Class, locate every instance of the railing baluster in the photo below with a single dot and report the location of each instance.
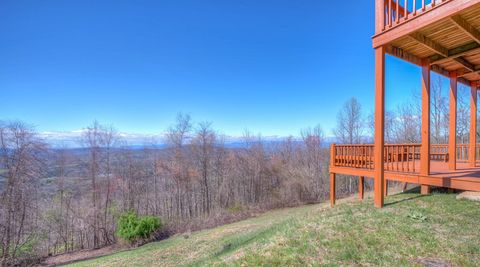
(405, 10)
(403, 158)
(398, 10)
(413, 158)
(407, 147)
(397, 155)
(390, 15)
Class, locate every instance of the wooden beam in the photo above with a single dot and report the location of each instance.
(379, 178)
(460, 51)
(428, 43)
(424, 189)
(425, 149)
(469, 66)
(473, 125)
(361, 187)
(466, 27)
(452, 139)
(332, 189)
(442, 51)
(465, 73)
(385, 187)
(402, 54)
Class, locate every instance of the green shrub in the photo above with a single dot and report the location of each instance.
(132, 227)
(147, 225)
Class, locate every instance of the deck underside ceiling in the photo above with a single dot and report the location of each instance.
(451, 45)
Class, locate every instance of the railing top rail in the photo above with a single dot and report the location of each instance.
(405, 144)
(361, 145)
(396, 12)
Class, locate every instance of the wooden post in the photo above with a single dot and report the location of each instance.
(361, 187)
(404, 188)
(379, 15)
(332, 176)
(425, 149)
(385, 187)
(379, 126)
(452, 137)
(424, 189)
(332, 189)
(473, 125)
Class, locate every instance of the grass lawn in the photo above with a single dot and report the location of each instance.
(412, 230)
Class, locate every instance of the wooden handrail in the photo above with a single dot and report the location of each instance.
(396, 12)
(398, 157)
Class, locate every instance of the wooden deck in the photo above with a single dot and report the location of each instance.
(463, 178)
(442, 36)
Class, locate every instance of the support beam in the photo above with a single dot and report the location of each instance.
(428, 43)
(385, 188)
(466, 27)
(424, 189)
(404, 188)
(473, 125)
(452, 137)
(402, 54)
(463, 74)
(469, 66)
(463, 50)
(379, 178)
(361, 187)
(332, 189)
(425, 149)
(439, 49)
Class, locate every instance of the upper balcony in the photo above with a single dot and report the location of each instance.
(446, 33)
(398, 12)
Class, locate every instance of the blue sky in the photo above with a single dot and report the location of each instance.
(272, 66)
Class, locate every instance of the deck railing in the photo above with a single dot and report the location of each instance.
(462, 151)
(399, 11)
(355, 156)
(397, 157)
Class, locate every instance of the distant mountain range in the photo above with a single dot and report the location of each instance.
(73, 139)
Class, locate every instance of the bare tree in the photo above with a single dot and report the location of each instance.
(439, 112)
(108, 139)
(407, 124)
(314, 161)
(350, 124)
(389, 126)
(23, 160)
(203, 146)
(463, 115)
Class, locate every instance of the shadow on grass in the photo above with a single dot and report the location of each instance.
(404, 200)
(415, 190)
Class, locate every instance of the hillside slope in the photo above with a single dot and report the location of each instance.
(435, 230)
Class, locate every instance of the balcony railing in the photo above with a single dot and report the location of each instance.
(397, 157)
(462, 151)
(397, 12)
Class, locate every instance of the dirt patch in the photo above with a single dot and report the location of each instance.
(475, 196)
(80, 255)
(431, 262)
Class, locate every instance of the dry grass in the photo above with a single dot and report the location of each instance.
(413, 230)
